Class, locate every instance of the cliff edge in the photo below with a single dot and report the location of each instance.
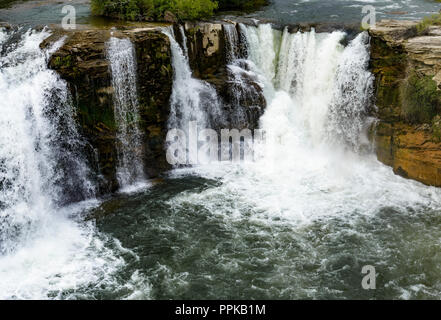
(407, 69)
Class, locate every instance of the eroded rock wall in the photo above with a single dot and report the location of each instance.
(82, 62)
(407, 68)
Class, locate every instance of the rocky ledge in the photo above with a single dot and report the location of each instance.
(81, 62)
(407, 69)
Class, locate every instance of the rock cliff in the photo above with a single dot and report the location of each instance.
(82, 62)
(407, 68)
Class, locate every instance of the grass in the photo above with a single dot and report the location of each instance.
(433, 20)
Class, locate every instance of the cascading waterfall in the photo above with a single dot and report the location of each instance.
(312, 210)
(43, 249)
(40, 145)
(192, 99)
(231, 42)
(314, 87)
(184, 40)
(297, 223)
(351, 101)
(243, 76)
(329, 86)
(121, 55)
(262, 44)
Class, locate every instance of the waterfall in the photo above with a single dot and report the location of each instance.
(41, 165)
(352, 95)
(262, 44)
(328, 85)
(243, 80)
(192, 99)
(121, 55)
(184, 40)
(43, 249)
(231, 42)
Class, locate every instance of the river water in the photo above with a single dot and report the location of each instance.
(299, 222)
(33, 12)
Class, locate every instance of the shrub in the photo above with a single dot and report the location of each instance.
(137, 10)
(421, 100)
(241, 4)
(427, 22)
(153, 9)
(193, 9)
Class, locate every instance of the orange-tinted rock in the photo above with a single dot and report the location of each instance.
(410, 145)
(410, 150)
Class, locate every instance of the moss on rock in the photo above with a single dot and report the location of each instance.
(420, 98)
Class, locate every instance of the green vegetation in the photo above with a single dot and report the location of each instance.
(156, 10)
(62, 61)
(436, 128)
(241, 4)
(153, 10)
(433, 20)
(421, 99)
(7, 3)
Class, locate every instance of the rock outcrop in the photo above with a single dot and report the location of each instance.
(407, 67)
(207, 52)
(82, 62)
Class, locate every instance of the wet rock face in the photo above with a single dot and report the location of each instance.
(407, 67)
(155, 80)
(206, 49)
(242, 98)
(82, 62)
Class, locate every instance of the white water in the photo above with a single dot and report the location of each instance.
(231, 42)
(121, 55)
(309, 171)
(311, 189)
(44, 251)
(192, 99)
(317, 93)
(353, 89)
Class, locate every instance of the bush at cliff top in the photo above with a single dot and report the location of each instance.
(153, 10)
(241, 4)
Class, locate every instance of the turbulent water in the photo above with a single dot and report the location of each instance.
(121, 55)
(34, 12)
(46, 250)
(344, 11)
(299, 222)
(303, 220)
